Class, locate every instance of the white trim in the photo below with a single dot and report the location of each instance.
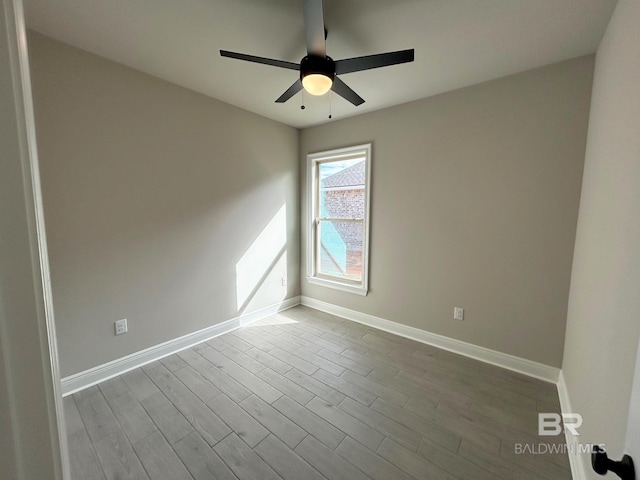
(345, 287)
(25, 125)
(80, 381)
(504, 360)
(576, 461)
(311, 201)
(344, 188)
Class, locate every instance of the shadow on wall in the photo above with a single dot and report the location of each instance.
(265, 259)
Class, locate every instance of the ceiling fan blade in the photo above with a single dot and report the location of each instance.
(314, 27)
(291, 91)
(265, 61)
(345, 92)
(367, 62)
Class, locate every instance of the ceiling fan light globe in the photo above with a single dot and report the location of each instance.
(317, 83)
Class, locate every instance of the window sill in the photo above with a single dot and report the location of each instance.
(338, 286)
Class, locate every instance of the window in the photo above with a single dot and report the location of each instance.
(338, 233)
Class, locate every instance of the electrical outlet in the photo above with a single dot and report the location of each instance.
(458, 313)
(121, 326)
(284, 281)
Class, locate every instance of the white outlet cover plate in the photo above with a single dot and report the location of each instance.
(458, 313)
(121, 326)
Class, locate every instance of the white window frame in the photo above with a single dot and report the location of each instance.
(313, 191)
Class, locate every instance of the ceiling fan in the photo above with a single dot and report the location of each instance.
(319, 72)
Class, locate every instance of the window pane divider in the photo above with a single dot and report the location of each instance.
(340, 219)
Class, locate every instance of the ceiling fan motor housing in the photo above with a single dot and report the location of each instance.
(315, 64)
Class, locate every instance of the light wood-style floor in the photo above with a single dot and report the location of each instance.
(308, 396)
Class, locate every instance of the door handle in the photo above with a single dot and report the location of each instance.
(602, 464)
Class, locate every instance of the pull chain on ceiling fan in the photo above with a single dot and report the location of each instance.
(319, 72)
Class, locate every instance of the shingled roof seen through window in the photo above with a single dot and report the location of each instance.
(351, 176)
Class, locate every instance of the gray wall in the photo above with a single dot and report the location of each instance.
(153, 195)
(603, 324)
(474, 204)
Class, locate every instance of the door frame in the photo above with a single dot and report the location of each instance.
(27, 325)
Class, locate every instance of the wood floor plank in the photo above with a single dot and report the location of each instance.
(345, 362)
(498, 466)
(279, 339)
(321, 341)
(159, 459)
(375, 387)
(241, 375)
(288, 464)
(549, 466)
(242, 359)
(373, 465)
(482, 388)
(274, 421)
(139, 384)
(217, 344)
(173, 362)
(73, 420)
(291, 343)
(118, 460)
(290, 359)
(442, 435)
(460, 425)
(214, 375)
(497, 427)
(320, 389)
(83, 461)
(113, 387)
(327, 462)
(410, 462)
(382, 423)
(201, 461)
(518, 418)
(372, 362)
(346, 388)
(384, 359)
(243, 461)
(452, 463)
(173, 425)
(424, 387)
(404, 359)
(236, 342)
(195, 382)
(243, 424)
(288, 387)
(310, 422)
(319, 361)
(344, 343)
(193, 358)
(225, 383)
(345, 422)
(98, 418)
(133, 419)
(207, 423)
(269, 361)
(375, 343)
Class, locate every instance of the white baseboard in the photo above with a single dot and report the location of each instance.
(510, 362)
(576, 461)
(92, 376)
(80, 381)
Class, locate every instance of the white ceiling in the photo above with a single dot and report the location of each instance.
(457, 43)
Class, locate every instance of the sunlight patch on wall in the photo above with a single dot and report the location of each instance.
(260, 258)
